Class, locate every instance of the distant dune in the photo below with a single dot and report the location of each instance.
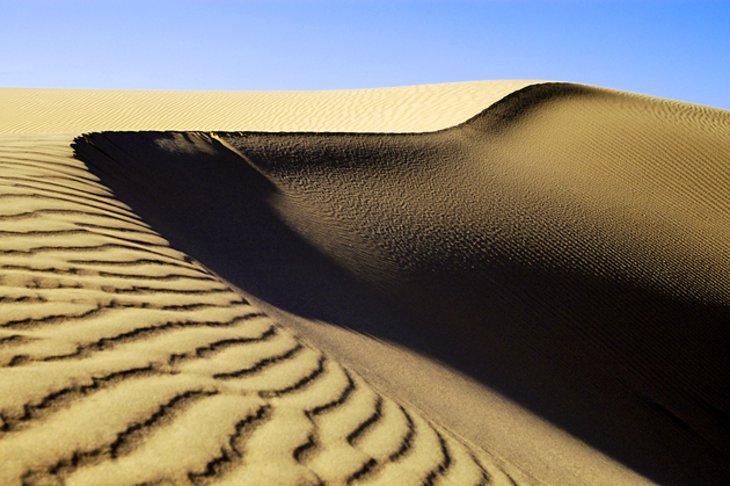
(474, 283)
(405, 109)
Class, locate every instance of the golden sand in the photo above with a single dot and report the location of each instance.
(504, 282)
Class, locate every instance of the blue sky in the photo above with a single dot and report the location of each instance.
(671, 48)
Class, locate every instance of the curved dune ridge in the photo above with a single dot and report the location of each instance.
(538, 294)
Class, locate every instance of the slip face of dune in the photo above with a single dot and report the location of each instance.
(124, 361)
(568, 247)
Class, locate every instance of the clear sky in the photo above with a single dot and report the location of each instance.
(671, 48)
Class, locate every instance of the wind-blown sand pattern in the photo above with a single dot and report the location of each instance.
(124, 361)
(405, 109)
(540, 293)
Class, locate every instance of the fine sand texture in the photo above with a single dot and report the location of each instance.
(474, 283)
(124, 361)
(405, 109)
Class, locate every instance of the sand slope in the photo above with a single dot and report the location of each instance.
(538, 294)
(569, 246)
(406, 109)
(123, 361)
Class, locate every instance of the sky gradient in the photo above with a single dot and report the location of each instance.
(671, 48)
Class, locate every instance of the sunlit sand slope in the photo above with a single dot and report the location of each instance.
(125, 361)
(568, 247)
(406, 109)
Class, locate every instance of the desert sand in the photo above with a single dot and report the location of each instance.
(506, 282)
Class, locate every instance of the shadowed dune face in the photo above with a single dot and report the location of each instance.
(124, 361)
(567, 246)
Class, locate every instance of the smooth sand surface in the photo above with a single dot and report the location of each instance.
(533, 289)
(404, 109)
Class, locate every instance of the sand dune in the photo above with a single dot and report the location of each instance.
(406, 109)
(537, 294)
(126, 362)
